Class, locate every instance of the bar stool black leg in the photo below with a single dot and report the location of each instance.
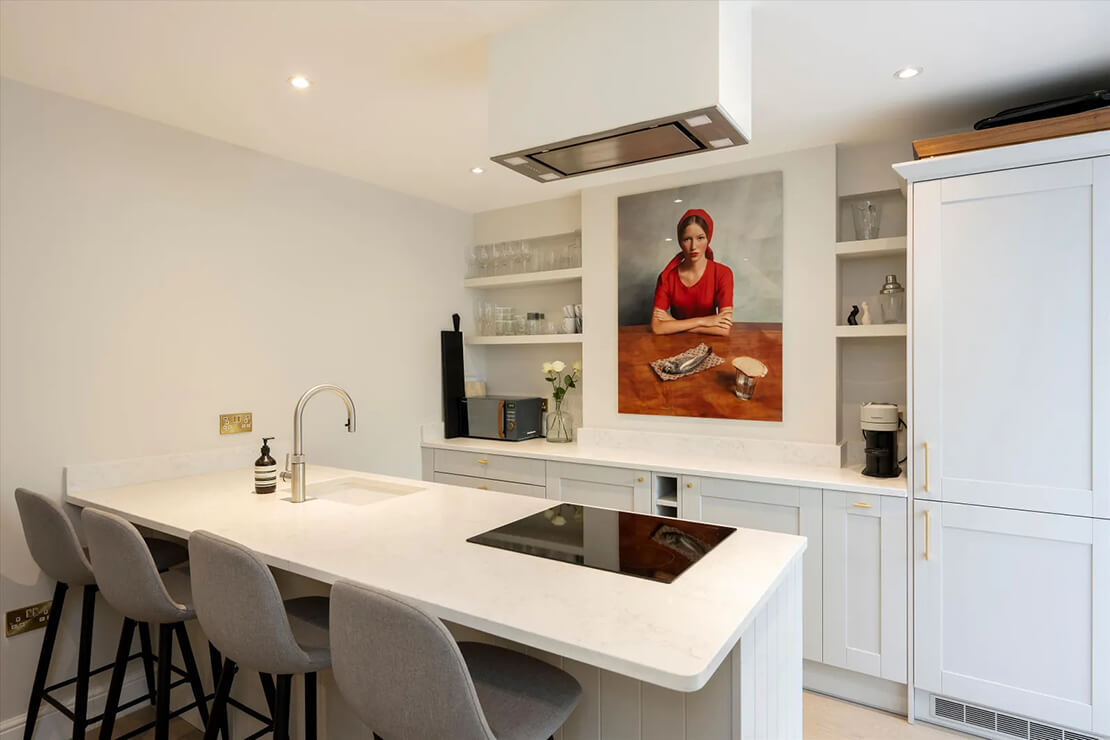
(216, 661)
(45, 653)
(219, 701)
(165, 658)
(310, 706)
(84, 653)
(191, 670)
(111, 706)
(268, 690)
(281, 707)
(148, 660)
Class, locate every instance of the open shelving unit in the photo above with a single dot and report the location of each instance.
(547, 277)
(871, 360)
(528, 339)
(871, 330)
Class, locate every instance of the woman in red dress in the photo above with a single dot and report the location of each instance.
(694, 291)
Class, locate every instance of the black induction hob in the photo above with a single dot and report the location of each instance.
(652, 547)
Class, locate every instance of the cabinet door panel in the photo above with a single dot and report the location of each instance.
(865, 584)
(775, 508)
(598, 485)
(1010, 611)
(489, 484)
(991, 301)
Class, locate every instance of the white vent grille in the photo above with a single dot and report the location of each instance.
(1013, 726)
(1005, 724)
(1037, 731)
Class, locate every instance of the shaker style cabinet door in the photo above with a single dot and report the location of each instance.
(776, 508)
(1012, 611)
(1011, 338)
(599, 485)
(865, 583)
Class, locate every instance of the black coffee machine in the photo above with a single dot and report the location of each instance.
(880, 422)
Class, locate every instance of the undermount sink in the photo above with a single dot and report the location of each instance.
(359, 491)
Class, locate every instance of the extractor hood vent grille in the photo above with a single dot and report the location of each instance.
(643, 142)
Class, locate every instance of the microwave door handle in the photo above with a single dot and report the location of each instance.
(501, 419)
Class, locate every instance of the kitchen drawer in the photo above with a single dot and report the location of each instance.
(489, 484)
(497, 467)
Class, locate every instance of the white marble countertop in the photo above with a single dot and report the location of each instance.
(673, 635)
(794, 474)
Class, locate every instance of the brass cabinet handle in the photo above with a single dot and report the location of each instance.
(483, 462)
(640, 479)
(926, 467)
(483, 488)
(861, 505)
(689, 485)
(926, 534)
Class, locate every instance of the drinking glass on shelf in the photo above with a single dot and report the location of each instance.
(526, 257)
(514, 257)
(574, 253)
(481, 259)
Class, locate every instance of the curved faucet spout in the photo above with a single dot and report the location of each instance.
(296, 458)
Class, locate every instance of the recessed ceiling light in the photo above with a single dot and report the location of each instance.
(908, 72)
(678, 200)
(300, 82)
(477, 170)
(668, 239)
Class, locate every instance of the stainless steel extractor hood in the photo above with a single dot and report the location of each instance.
(594, 86)
(673, 136)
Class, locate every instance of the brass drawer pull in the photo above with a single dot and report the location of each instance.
(483, 462)
(861, 505)
(640, 479)
(926, 467)
(926, 534)
(483, 488)
(689, 485)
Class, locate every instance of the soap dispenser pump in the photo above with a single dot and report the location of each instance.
(265, 470)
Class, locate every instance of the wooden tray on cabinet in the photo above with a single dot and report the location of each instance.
(1017, 133)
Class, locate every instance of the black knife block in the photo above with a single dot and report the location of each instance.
(454, 381)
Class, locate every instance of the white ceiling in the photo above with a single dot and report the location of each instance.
(400, 87)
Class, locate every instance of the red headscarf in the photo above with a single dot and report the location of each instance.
(674, 263)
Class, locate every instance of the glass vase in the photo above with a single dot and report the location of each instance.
(560, 425)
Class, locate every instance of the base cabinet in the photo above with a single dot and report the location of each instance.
(598, 485)
(864, 543)
(1012, 611)
(787, 509)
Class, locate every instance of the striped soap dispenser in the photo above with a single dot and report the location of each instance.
(265, 470)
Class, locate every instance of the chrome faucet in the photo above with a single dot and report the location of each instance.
(294, 461)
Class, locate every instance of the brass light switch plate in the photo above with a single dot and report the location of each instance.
(236, 423)
(26, 619)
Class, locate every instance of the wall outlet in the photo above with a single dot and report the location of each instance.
(236, 423)
(26, 619)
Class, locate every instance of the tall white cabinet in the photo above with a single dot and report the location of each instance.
(1010, 436)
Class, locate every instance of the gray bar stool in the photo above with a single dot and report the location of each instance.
(129, 579)
(407, 678)
(55, 547)
(241, 610)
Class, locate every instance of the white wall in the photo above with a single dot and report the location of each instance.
(515, 370)
(809, 297)
(153, 278)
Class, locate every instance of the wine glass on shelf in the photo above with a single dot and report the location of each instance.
(526, 257)
(481, 257)
(512, 257)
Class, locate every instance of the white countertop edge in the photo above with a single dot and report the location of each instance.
(668, 679)
(839, 479)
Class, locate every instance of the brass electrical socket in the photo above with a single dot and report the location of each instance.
(26, 619)
(236, 423)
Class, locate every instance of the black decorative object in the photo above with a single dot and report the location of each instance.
(454, 385)
(852, 316)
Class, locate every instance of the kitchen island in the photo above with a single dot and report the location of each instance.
(716, 653)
